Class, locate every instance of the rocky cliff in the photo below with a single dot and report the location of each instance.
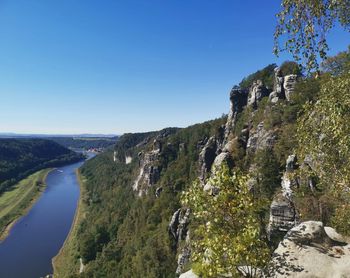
(136, 223)
(252, 138)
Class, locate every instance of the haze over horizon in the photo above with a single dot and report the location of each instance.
(129, 66)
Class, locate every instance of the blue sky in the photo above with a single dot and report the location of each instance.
(89, 66)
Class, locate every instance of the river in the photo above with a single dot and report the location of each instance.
(38, 236)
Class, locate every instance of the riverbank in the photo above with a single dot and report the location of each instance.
(19, 200)
(67, 261)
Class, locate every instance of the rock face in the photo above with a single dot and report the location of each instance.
(222, 158)
(178, 228)
(283, 215)
(311, 250)
(289, 85)
(178, 224)
(238, 99)
(283, 86)
(149, 169)
(288, 181)
(149, 173)
(278, 83)
(206, 158)
(260, 138)
(220, 149)
(256, 93)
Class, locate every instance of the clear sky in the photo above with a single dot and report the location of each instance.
(99, 66)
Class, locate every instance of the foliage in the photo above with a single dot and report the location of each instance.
(338, 64)
(290, 67)
(135, 230)
(268, 174)
(303, 25)
(266, 75)
(228, 231)
(323, 135)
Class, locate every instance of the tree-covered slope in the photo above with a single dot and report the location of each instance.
(140, 222)
(122, 234)
(21, 157)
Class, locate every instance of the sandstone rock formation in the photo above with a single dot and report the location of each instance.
(183, 258)
(178, 224)
(283, 215)
(260, 138)
(149, 172)
(283, 86)
(238, 99)
(188, 274)
(178, 228)
(206, 158)
(256, 93)
(311, 250)
(219, 149)
(289, 85)
(115, 159)
(288, 181)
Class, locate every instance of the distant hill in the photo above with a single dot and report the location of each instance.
(85, 142)
(80, 141)
(35, 135)
(21, 157)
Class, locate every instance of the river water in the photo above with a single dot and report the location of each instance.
(38, 236)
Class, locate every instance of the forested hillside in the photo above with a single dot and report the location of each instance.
(122, 233)
(22, 157)
(234, 186)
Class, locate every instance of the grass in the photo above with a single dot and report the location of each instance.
(66, 263)
(17, 201)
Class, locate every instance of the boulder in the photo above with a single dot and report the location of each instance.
(273, 97)
(309, 251)
(222, 158)
(188, 274)
(210, 189)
